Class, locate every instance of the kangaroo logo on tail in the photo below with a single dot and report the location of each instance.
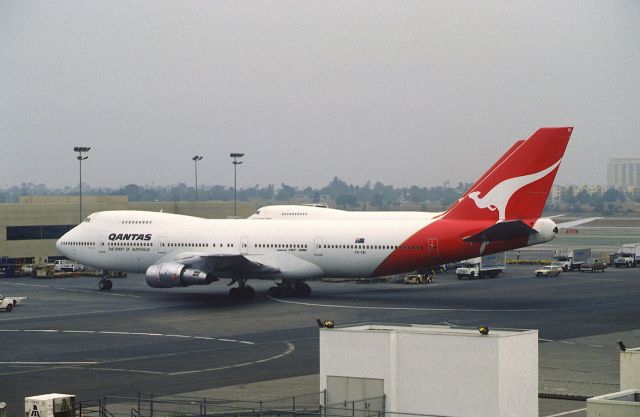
(498, 197)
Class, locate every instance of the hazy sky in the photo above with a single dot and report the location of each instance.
(404, 92)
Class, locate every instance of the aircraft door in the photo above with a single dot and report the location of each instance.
(244, 245)
(433, 247)
(162, 244)
(102, 246)
(317, 246)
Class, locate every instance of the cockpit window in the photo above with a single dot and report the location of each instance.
(88, 219)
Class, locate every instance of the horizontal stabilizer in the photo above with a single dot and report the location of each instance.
(577, 222)
(502, 231)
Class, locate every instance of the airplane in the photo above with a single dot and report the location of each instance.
(501, 211)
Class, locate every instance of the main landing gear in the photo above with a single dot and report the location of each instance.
(242, 290)
(290, 288)
(105, 283)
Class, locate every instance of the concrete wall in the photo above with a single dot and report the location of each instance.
(64, 210)
(437, 369)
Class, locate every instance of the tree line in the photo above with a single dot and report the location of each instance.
(337, 193)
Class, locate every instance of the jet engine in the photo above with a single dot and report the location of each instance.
(173, 274)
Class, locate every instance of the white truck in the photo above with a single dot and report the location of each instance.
(7, 303)
(65, 265)
(628, 255)
(570, 259)
(484, 266)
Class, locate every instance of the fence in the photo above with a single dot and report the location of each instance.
(157, 405)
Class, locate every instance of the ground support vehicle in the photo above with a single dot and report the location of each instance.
(419, 279)
(64, 265)
(480, 267)
(628, 255)
(571, 258)
(594, 265)
(6, 303)
(548, 271)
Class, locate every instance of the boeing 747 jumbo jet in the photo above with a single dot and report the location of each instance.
(500, 212)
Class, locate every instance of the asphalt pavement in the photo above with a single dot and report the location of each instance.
(69, 337)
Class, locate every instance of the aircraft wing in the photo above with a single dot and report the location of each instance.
(223, 263)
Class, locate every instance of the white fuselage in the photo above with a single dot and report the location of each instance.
(134, 240)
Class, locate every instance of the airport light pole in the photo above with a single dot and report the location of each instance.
(197, 158)
(235, 157)
(81, 158)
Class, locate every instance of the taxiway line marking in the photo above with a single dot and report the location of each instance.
(97, 292)
(137, 371)
(406, 308)
(47, 363)
(566, 413)
(290, 348)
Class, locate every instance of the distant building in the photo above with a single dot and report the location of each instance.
(623, 173)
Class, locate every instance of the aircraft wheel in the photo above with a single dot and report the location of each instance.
(274, 292)
(234, 292)
(105, 285)
(302, 290)
(248, 292)
(9, 307)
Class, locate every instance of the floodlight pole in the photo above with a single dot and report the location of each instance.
(197, 158)
(235, 157)
(81, 158)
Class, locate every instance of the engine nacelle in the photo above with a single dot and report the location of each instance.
(547, 231)
(173, 274)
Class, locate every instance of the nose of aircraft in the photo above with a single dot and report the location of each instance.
(60, 242)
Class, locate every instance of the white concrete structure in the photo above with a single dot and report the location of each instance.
(617, 404)
(630, 369)
(437, 370)
(50, 405)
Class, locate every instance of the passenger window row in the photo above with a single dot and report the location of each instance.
(280, 245)
(196, 245)
(384, 247)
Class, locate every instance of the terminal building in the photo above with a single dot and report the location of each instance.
(30, 228)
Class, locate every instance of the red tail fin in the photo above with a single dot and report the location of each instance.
(518, 184)
(498, 162)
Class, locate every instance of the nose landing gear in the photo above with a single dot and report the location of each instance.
(105, 283)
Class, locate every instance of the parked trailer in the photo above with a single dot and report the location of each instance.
(485, 266)
(628, 255)
(571, 259)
